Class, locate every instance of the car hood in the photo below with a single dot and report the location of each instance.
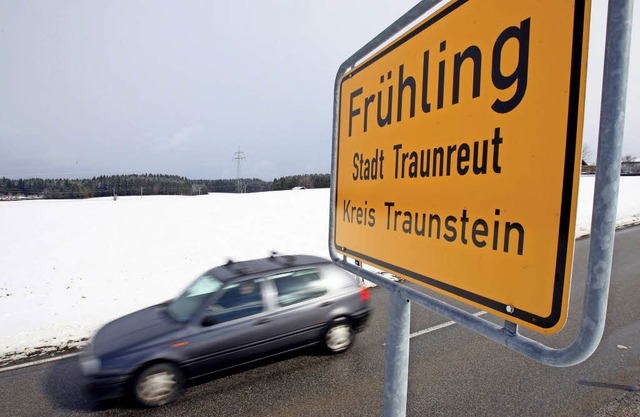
(136, 329)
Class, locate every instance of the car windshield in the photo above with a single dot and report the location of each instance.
(187, 304)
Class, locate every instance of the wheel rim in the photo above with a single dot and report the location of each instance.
(339, 337)
(157, 387)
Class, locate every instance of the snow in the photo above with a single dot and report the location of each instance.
(69, 266)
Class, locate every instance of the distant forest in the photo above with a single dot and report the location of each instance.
(148, 184)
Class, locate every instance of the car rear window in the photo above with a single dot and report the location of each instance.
(298, 286)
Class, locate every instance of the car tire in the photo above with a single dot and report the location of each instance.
(157, 385)
(339, 336)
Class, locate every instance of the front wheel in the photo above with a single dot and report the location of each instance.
(338, 337)
(157, 385)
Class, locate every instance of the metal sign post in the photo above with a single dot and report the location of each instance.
(365, 166)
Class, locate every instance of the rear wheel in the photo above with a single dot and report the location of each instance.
(157, 385)
(339, 337)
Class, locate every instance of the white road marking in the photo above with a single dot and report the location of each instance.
(438, 327)
(38, 362)
(441, 326)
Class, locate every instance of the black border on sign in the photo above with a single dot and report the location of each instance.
(567, 186)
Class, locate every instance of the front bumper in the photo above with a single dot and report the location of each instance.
(106, 387)
(98, 385)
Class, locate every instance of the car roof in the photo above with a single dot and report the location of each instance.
(274, 263)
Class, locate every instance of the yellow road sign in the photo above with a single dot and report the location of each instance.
(458, 155)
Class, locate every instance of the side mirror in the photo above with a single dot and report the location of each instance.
(208, 321)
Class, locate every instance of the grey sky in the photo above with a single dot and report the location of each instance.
(176, 87)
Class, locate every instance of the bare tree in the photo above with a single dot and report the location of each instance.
(628, 158)
(587, 154)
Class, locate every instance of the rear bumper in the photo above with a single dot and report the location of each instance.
(360, 318)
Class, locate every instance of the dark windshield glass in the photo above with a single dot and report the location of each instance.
(187, 304)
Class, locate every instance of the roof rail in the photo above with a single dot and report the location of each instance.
(231, 264)
(273, 255)
(286, 260)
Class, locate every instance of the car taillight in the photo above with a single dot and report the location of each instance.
(364, 294)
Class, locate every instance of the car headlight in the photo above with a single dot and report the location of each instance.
(90, 365)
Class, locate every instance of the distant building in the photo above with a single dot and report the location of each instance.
(630, 168)
(626, 168)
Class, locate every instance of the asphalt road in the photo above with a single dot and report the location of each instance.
(453, 372)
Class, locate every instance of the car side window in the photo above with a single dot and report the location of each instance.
(298, 286)
(238, 300)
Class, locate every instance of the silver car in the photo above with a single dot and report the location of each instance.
(232, 314)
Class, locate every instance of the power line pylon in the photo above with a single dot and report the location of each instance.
(239, 157)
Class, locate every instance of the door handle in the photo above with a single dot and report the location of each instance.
(326, 303)
(262, 321)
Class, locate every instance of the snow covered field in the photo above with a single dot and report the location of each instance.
(69, 266)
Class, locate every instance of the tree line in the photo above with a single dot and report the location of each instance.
(148, 184)
(306, 181)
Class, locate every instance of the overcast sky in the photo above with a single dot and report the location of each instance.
(90, 87)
